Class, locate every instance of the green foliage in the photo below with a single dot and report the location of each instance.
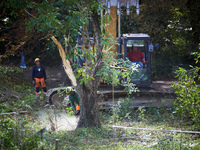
(123, 108)
(6, 132)
(12, 97)
(13, 7)
(70, 111)
(173, 29)
(59, 17)
(141, 113)
(128, 22)
(188, 94)
(115, 70)
(14, 134)
(175, 142)
(9, 77)
(9, 74)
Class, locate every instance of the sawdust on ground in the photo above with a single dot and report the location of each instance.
(60, 119)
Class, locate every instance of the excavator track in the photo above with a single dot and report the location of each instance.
(160, 94)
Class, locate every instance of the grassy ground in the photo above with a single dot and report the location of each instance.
(115, 138)
(21, 131)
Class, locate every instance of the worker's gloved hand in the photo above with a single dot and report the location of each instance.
(77, 113)
(33, 82)
(45, 81)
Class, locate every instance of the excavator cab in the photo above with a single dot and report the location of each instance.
(141, 77)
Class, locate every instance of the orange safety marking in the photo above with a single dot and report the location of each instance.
(77, 107)
(38, 81)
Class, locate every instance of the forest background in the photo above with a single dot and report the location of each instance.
(173, 25)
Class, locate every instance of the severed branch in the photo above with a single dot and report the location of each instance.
(105, 51)
(66, 63)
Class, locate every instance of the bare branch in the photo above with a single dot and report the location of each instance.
(123, 68)
(30, 14)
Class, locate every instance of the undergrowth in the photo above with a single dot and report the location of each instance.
(22, 131)
(187, 89)
(25, 128)
(15, 94)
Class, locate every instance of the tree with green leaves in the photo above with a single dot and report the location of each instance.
(13, 37)
(65, 20)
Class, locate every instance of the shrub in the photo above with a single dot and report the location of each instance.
(123, 108)
(13, 135)
(187, 103)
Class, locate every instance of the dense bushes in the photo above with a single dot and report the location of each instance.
(13, 135)
(187, 103)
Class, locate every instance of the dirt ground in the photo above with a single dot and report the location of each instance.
(56, 76)
(53, 76)
(163, 84)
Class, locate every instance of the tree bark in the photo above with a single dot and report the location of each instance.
(88, 91)
(89, 107)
